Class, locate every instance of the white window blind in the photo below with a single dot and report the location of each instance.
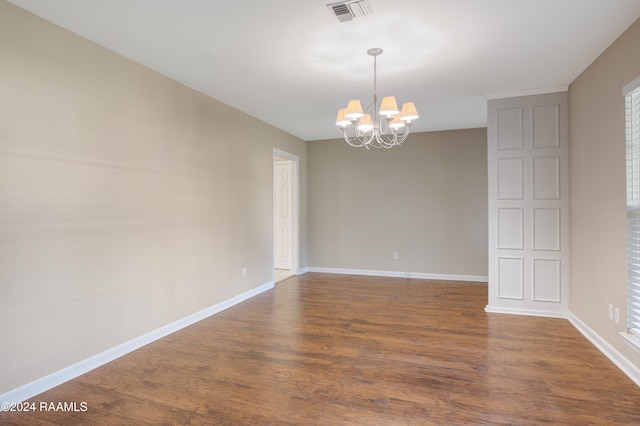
(632, 100)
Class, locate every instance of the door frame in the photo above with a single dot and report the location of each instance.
(295, 209)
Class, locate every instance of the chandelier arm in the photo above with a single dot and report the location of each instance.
(349, 139)
(358, 139)
(388, 140)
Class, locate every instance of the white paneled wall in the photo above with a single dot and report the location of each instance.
(528, 205)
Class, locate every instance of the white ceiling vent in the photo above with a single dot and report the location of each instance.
(347, 10)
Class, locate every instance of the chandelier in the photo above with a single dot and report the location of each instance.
(376, 127)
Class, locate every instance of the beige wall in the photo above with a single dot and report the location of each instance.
(597, 187)
(426, 200)
(127, 200)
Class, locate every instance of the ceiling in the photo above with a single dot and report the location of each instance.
(292, 64)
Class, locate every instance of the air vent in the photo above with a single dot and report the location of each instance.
(347, 10)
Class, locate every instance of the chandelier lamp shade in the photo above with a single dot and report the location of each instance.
(380, 125)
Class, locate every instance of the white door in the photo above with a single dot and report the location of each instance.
(282, 213)
(527, 140)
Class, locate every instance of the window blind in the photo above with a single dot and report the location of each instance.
(632, 100)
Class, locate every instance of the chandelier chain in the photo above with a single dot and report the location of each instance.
(375, 87)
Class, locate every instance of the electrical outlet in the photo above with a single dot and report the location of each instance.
(395, 255)
(616, 315)
(610, 311)
(244, 272)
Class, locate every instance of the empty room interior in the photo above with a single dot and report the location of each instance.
(189, 235)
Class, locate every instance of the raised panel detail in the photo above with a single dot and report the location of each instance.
(546, 178)
(510, 278)
(546, 128)
(546, 280)
(510, 228)
(509, 128)
(510, 178)
(546, 229)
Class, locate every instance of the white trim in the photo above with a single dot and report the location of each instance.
(59, 377)
(526, 312)
(303, 271)
(631, 86)
(425, 276)
(609, 351)
(490, 96)
(631, 340)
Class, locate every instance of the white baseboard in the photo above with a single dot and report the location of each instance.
(59, 377)
(425, 276)
(303, 271)
(609, 351)
(526, 312)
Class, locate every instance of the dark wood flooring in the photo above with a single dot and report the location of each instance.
(325, 349)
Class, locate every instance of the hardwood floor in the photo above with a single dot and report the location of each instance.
(340, 350)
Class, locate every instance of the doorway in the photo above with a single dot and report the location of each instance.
(285, 215)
